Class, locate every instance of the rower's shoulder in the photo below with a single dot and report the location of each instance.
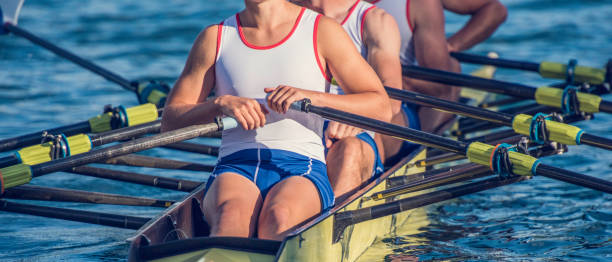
(378, 18)
(380, 24)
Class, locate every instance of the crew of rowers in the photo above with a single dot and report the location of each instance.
(272, 173)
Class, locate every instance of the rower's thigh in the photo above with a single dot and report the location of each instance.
(231, 205)
(288, 203)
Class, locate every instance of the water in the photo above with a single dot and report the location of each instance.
(539, 219)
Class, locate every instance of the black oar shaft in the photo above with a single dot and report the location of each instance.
(499, 62)
(124, 148)
(110, 76)
(597, 141)
(489, 85)
(30, 192)
(478, 150)
(135, 178)
(125, 133)
(120, 221)
(451, 107)
(156, 162)
(574, 178)
(384, 128)
(450, 78)
(194, 148)
(35, 138)
(9, 161)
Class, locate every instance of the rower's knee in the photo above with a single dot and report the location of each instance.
(274, 221)
(348, 150)
(233, 219)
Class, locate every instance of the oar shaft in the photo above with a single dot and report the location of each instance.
(450, 78)
(384, 128)
(130, 177)
(104, 219)
(498, 62)
(451, 107)
(36, 137)
(574, 178)
(30, 192)
(110, 76)
(194, 148)
(125, 133)
(597, 141)
(124, 148)
(156, 162)
(500, 87)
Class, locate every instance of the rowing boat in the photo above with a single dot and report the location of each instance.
(181, 233)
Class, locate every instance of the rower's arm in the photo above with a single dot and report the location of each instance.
(486, 17)
(186, 104)
(364, 93)
(430, 47)
(383, 41)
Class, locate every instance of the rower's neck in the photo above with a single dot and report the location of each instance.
(267, 14)
(335, 9)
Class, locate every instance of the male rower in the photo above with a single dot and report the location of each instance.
(485, 17)
(355, 156)
(421, 25)
(270, 176)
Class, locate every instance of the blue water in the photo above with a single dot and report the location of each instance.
(535, 220)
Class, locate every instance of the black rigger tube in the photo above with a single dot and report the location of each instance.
(551, 98)
(477, 152)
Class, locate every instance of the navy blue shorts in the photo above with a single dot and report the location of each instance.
(267, 167)
(365, 137)
(412, 114)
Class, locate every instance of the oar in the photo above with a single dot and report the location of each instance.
(136, 178)
(549, 96)
(147, 92)
(582, 74)
(156, 162)
(113, 118)
(63, 146)
(477, 152)
(538, 128)
(21, 174)
(98, 218)
(30, 192)
(347, 218)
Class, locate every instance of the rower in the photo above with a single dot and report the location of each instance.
(421, 25)
(485, 17)
(270, 175)
(354, 156)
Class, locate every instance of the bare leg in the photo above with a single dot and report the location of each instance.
(349, 163)
(231, 206)
(289, 203)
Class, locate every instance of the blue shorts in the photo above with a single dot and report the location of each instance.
(412, 114)
(267, 167)
(365, 137)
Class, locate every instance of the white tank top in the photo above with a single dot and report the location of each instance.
(353, 25)
(243, 69)
(400, 10)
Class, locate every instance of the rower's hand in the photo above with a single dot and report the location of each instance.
(280, 98)
(336, 131)
(248, 112)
